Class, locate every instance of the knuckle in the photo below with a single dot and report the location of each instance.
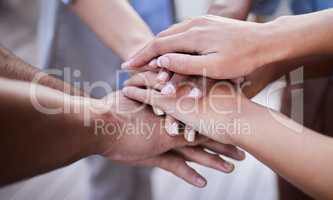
(153, 99)
(194, 31)
(161, 34)
(178, 166)
(215, 159)
(195, 34)
(157, 45)
(203, 20)
(179, 62)
(164, 33)
(197, 20)
(145, 78)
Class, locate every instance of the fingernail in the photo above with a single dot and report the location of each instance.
(125, 82)
(173, 129)
(228, 166)
(195, 93)
(163, 61)
(241, 154)
(158, 111)
(163, 76)
(153, 63)
(200, 182)
(127, 64)
(191, 136)
(125, 90)
(168, 89)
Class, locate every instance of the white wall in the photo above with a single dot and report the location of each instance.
(187, 8)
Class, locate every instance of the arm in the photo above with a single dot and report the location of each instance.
(12, 67)
(320, 65)
(44, 129)
(33, 142)
(300, 155)
(286, 38)
(116, 24)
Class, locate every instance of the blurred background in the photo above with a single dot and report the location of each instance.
(251, 180)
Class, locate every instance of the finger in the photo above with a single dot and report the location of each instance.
(160, 46)
(158, 111)
(144, 79)
(171, 126)
(150, 97)
(153, 64)
(199, 156)
(189, 134)
(177, 165)
(176, 28)
(198, 87)
(149, 67)
(163, 76)
(225, 149)
(146, 96)
(188, 64)
(238, 81)
(176, 81)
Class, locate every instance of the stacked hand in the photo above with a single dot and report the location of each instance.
(136, 136)
(177, 61)
(211, 46)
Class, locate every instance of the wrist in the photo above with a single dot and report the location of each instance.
(87, 114)
(291, 37)
(276, 44)
(102, 123)
(246, 123)
(134, 45)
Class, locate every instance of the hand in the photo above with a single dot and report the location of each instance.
(168, 86)
(221, 48)
(213, 115)
(134, 135)
(250, 85)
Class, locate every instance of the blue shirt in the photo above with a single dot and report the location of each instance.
(158, 14)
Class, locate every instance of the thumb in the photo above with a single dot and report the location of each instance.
(186, 64)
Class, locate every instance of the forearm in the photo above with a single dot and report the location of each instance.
(35, 140)
(320, 65)
(12, 67)
(116, 23)
(294, 37)
(298, 154)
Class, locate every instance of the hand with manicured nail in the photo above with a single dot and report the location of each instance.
(150, 79)
(124, 141)
(211, 46)
(181, 107)
(207, 115)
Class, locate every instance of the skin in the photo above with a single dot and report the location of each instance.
(259, 79)
(224, 8)
(296, 153)
(218, 57)
(59, 141)
(121, 30)
(12, 67)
